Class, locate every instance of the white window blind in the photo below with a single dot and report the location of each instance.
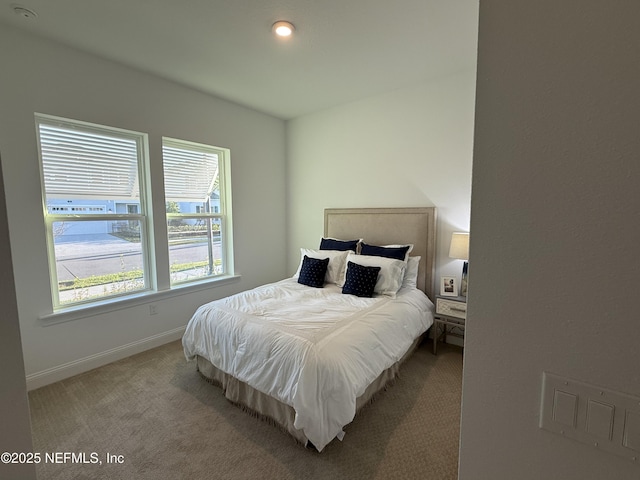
(80, 163)
(190, 171)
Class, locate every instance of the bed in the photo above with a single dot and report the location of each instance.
(307, 356)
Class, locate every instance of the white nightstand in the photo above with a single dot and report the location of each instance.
(450, 312)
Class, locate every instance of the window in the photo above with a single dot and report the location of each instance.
(98, 216)
(197, 209)
(95, 210)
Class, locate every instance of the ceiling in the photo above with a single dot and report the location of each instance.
(342, 50)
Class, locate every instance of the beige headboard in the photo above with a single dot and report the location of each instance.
(389, 226)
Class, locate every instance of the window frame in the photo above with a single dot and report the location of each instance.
(157, 269)
(144, 217)
(223, 215)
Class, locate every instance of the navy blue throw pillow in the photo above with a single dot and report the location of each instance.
(360, 280)
(313, 271)
(397, 253)
(342, 245)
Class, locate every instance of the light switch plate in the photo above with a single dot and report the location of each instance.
(596, 416)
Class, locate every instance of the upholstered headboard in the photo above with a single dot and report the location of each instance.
(389, 226)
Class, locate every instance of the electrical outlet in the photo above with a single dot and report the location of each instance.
(153, 309)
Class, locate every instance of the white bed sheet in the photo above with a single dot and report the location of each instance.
(314, 349)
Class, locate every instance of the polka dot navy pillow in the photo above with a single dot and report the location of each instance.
(313, 271)
(360, 280)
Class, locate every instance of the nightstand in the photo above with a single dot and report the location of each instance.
(450, 312)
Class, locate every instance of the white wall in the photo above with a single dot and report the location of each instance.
(14, 406)
(556, 228)
(407, 148)
(38, 76)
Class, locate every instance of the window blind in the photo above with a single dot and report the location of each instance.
(80, 163)
(190, 171)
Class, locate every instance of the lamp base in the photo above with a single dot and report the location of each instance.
(463, 283)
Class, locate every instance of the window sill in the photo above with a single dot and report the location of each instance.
(106, 306)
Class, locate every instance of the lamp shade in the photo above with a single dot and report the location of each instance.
(459, 246)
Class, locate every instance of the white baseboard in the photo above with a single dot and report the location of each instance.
(455, 341)
(451, 340)
(66, 370)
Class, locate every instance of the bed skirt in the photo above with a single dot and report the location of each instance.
(280, 414)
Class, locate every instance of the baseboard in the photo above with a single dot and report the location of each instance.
(451, 340)
(455, 341)
(66, 370)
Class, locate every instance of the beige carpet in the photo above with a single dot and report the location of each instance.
(166, 422)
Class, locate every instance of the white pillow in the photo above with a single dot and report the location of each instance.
(337, 262)
(411, 274)
(390, 276)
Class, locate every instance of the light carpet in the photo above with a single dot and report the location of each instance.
(154, 413)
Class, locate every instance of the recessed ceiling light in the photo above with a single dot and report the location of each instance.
(283, 29)
(24, 12)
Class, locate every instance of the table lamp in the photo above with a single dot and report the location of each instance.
(459, 249)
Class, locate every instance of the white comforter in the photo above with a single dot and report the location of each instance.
(314, 349)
